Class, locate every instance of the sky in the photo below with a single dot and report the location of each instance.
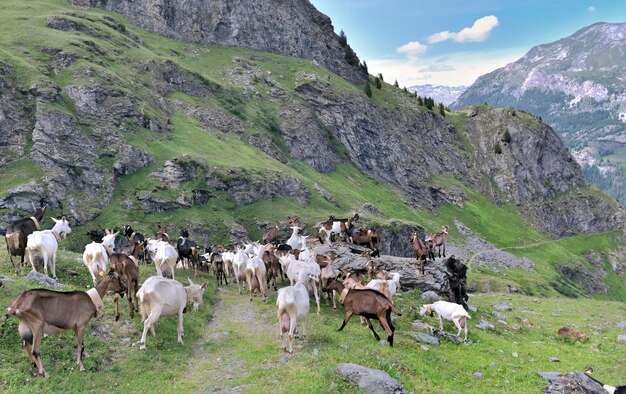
(453, 42)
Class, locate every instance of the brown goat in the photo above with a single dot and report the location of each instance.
(270, 236)
(574, 335)
(43, 311)
(369, 238)
(438, 240)
(128, 270)
(272, 267)
(368, 303)
(421, 252)
(17, 233)
(217, 262)
(161, 233)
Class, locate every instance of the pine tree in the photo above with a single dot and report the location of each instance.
(442, 110)
(377, 83)
(380, 75)
(368, 89)
(497, 148)
(506, 137)
(343, 39)
(396, 84)
(420, 101)
(364, 65)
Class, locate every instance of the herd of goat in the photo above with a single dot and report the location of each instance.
(257, 265)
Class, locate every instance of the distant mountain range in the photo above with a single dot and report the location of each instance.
(578, 86)
(440, 93)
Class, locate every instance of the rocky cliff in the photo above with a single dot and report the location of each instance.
(221, 130)
(288, 27)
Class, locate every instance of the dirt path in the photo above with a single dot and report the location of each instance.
(225, 360)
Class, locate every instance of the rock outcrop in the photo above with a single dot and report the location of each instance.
(291, 27)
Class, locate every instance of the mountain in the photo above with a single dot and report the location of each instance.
(440, 93)
(576, 85)
(111, 124)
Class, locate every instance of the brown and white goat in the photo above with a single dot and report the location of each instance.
(438, 240)
(421, 252)
(368, 303)
(43, 312)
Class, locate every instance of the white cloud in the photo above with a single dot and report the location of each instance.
(591, 8)
(461, 68)
(478, 32)
(412, 49)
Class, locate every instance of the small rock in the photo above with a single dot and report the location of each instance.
(284, 359)
(516, 327)
(621, 338)
(472, 308)
(316, 352)
(5, 278)
(478, 374)
(420, 326)
(127, 322)
(485, 325)
(423, 337)
(333, 386)
(515, 355)
(34, 276)
(621, 325)
(503, 306)
(125, 341)
(492, 365)
(554, 360)
(430, 295)
(369, 380)
(502, 322)
(424, 347)
(344, 346)
(498, 315)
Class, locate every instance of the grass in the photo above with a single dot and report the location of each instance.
(15, 172)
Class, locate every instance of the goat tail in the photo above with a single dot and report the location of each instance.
(394, 310)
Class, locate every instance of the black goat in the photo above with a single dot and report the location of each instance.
(17, 233)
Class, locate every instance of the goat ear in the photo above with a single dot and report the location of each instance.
(116, 233)
(33, 204)
(190, 282)
(54, 220)
(44, 207)
(204, 285)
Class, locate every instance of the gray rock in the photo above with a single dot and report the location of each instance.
(574, 383)
(369, 380)
(515, 355)
(35, 276)
(472, 308)
(621, 325)
(6, 278)
(419, 325)
(554, 359)
(125, 341)
(478, 374)
(492, 365)
(498, 315)
(283, 359)
(430, 295)
(485, 325)
(426, 338)
(550, 376)
(502, 306)
(621, 338)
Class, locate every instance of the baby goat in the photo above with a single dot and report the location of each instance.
(449, 311)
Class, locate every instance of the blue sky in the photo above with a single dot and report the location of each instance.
(452, 42)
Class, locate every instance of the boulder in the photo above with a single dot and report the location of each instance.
(43, 280)
(572, 383)
(426, 338)
(368, 380)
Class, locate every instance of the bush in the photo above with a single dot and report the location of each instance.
(497, 148)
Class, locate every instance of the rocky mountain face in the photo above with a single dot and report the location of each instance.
(290, 27)
(97, 116)
(576, 85)
(440, 93)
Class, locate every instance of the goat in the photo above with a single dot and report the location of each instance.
(388, 287)
(187, 251)
(95, 259)
(108, 241)
(292, 306)
(128, 270)
(272, 234)
(161, 234)
(438, 240)
(449, 311)
(295, 241)
(17, 233)
(272, 267)
(160, 296)
(609, 389)
(132, 236)
(368, 303)
(333, 228)
(328, 274)
(218, 268)
(43, 312)
(369, 238)
(240, 262)
(45, 243)
(164, 256)
(255, 272)
(421, 252)
(297, 268)
(574, 335)
(95, 235)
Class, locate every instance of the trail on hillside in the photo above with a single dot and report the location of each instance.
(218, 365)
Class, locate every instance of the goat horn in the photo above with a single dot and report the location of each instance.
(33, 204)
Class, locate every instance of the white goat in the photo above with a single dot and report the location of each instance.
(108, 241)
(297, 268)
(449, 311)
(389, 287)
(255, 271)
(163, 254)
(294, 241)
(240, 261)
(292, 306)
(95, 259)
(45, 244)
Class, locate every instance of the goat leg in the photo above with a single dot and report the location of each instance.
(345, 320)
(80, 347)
(117, 307)
(371, 327)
